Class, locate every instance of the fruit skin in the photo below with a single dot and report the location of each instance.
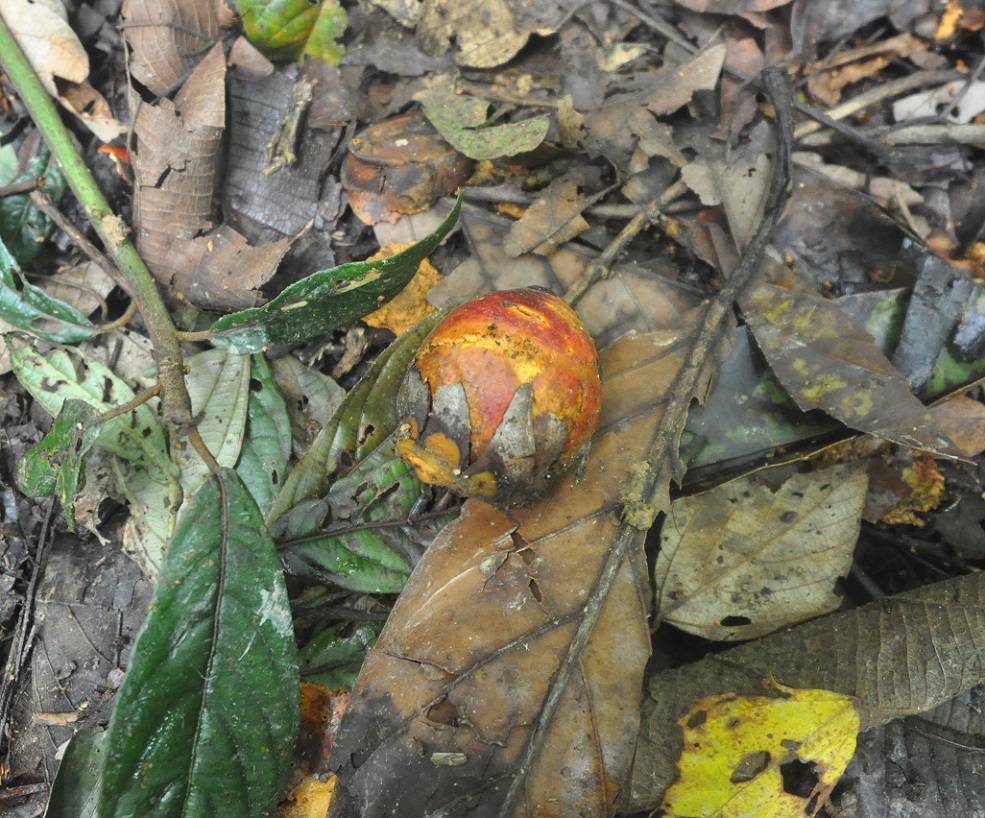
(503, 396)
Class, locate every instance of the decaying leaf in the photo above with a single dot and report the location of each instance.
(446, 713)
(739, 753)
(168, 40)
(742, 561)
(174, 171)
(825, 361)
(899, 655)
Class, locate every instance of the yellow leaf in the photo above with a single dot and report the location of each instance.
(737, 749)
(411, 305)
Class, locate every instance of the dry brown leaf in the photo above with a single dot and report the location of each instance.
(663, 92)
(482, 33)
(632, 298)
(899, 655)
(743, 560)
(731, 7)
(554, 218)
(963, 420)
(168, 39)
(54, 51)
(450, 698)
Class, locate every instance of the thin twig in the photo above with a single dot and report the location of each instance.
(42, 201)
(600, 268)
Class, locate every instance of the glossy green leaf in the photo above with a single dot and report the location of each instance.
(55, 464)
(327, 300)
(333, 660)
(207, 718)
(267, 445)
(461, 120)
(288, 29)
(79, 777)
(23, 227)
(32, 310)
(366, 417)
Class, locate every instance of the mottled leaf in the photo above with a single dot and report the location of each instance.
(742, 560)
(736, 749)
(23, 227)
(32, 310)
(899, 655)
(825, 361)
(207, 717)
(326, 300)
(266, 446)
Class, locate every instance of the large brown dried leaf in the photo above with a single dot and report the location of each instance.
(175, 174)
(900, 655)
(551, 220)
(168, 39)
(826, 361)
(450, 698)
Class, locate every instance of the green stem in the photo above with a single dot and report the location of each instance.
(175, 403)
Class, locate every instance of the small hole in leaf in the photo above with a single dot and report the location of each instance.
(800, 778)
(734, 621)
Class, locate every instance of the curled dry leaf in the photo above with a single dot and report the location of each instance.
(447, 712)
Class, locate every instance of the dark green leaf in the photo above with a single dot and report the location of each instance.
(353, 536)
(31, 309)
(332, 660)
(76, 785)
(267, 446)
(24, 228)
(327, 300)
(366, 417)
(207, 717)
(287, 29)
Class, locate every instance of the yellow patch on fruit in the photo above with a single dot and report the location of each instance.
(737, 749)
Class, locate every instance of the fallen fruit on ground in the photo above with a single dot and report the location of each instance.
(503, 396)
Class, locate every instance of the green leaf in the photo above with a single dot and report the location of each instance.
(461, 120)
(55, 464)
(288, 29)
(218, 383)
(327, 300)
(333, 660)
(23, 227)
(366, 417)
(77, 782)
(267, 447)
(207, 718)
(353, 536)
(135, 436)
(32, 310)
